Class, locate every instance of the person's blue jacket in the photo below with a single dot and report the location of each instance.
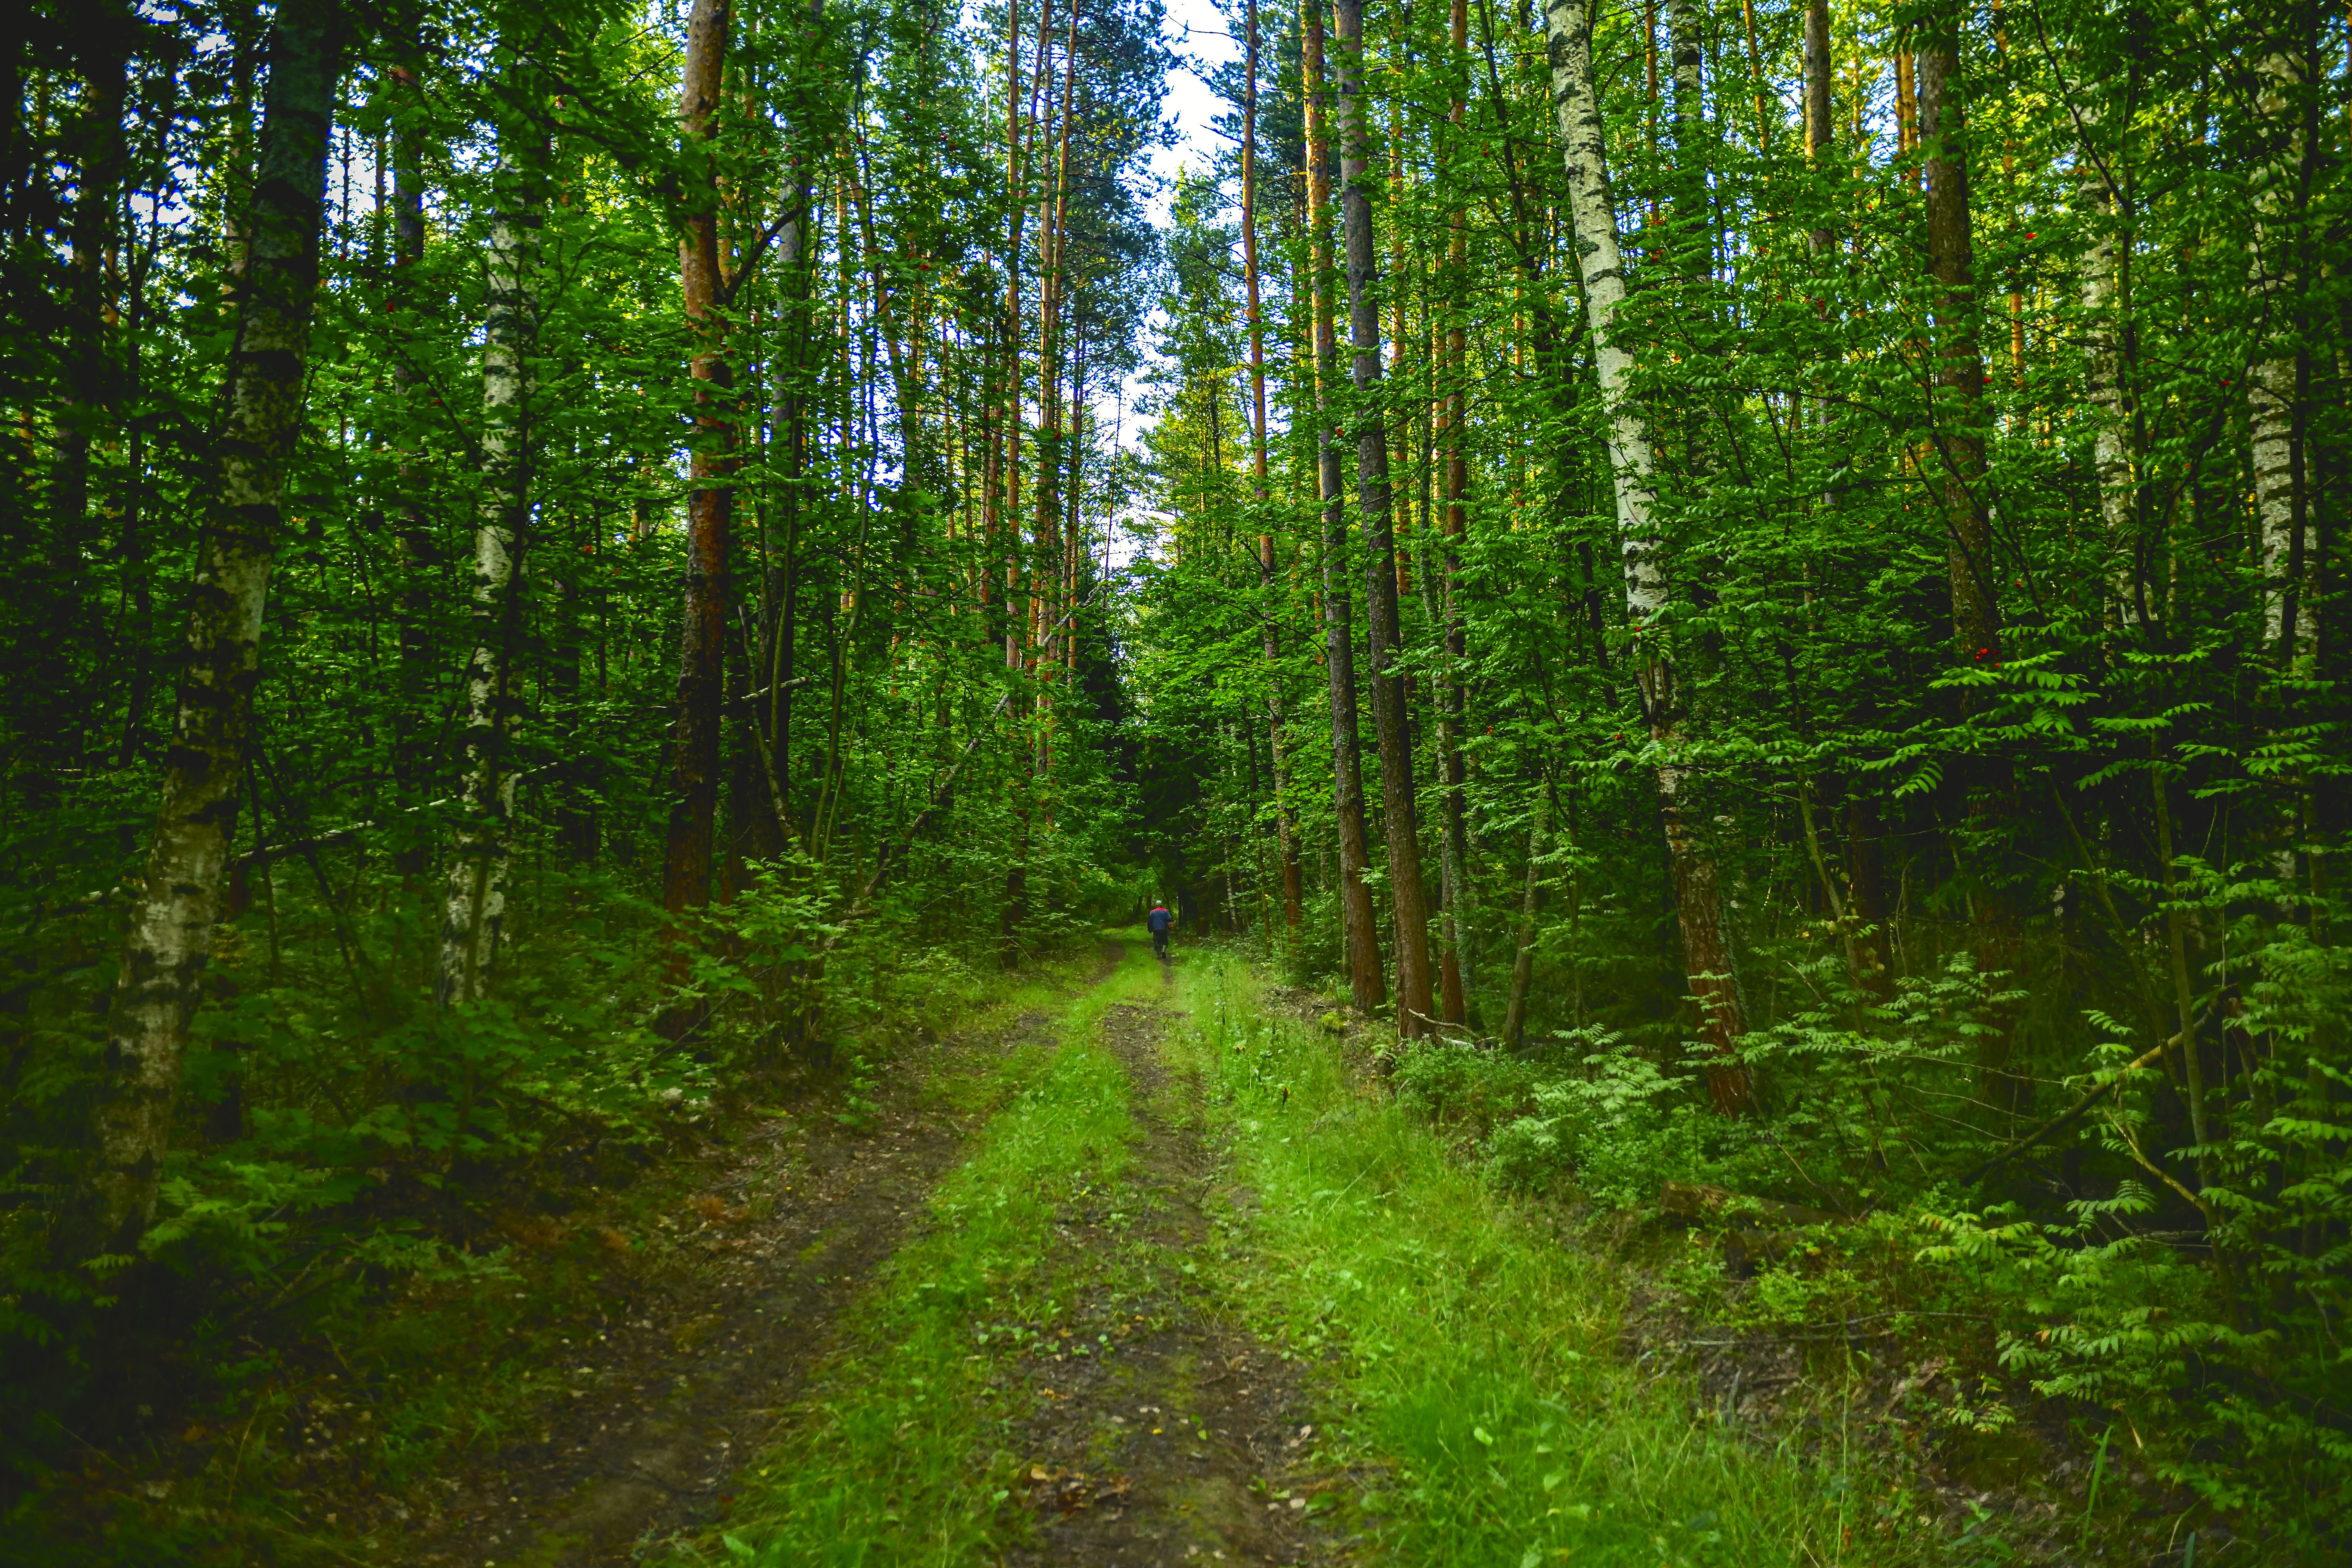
(1159, 919)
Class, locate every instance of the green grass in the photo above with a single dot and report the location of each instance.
(899, 1454)
(1477, 1377)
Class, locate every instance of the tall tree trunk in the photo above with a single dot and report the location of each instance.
(1384, 634)
(711, 494)
(1959, 363)
(771, 719)
(1285, 830)
(1684, 20)
(1523, 963)
(1706, 956)
(1961, 421)
(2107, 293)
(1453, 702)
(412, 719)
(2277, 388)
(58, 719)
(1046, 535)
(474, 908)
(1360, 932)
(1820, 117)
(171, 925)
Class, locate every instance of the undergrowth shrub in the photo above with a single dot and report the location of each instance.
(343, 1137)
(2187, 1299)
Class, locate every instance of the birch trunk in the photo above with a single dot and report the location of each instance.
(710, 495)
(171, 926)
(2276, 392)
(1705, 952)
(2107, 288)
(1358, 931)
(474, 908)
(1383, 632)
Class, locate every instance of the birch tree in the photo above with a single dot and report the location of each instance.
(173, 912)
(475, 905)
(1706, 954)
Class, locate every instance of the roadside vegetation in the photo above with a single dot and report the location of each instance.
(1750, 597)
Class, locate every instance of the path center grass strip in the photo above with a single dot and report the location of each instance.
(1479, 1385)
(899, 1453)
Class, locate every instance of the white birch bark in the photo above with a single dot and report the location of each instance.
(169, 936)
(2106, 285)
(1706, 954)
(474, 908)
(1576, 105)
(2270, 384)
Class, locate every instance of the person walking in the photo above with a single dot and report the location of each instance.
(1160, 921)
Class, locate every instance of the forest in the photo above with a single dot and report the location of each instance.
(1722, 627)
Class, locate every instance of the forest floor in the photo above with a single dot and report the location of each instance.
(1144, 1266)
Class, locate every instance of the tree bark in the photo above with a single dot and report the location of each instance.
(1959, 364)
(1705, 952)
(2276, 392)
(2106, 292)
(1523, 962)
(474, 908)
(1383, 630)
(1958, 432)
(1045, 532)
(1360, 932)
(1820, 118)
(1285, 831)
(1453, 703)
(710, 495)
(59, 720)
(413, 724)
(171, 926)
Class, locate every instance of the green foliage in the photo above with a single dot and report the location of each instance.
(1477, 1383)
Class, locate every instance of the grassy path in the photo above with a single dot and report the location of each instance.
(1201, 1294)
(659, 1408)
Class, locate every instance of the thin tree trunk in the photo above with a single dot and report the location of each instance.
(2276, 395)
(1284, 829)
(1706, 964)
(771, 724)
(1045, 536)
(171, 925)
(1959, 364)
(1523, 963)
(1454, 364)
(1360, 932)
(711, 495)
(1383, 632)
(413, 731)
(60, 718)
(1821, 120)
(475, 905)
(2106, 291)
(1958, 432)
